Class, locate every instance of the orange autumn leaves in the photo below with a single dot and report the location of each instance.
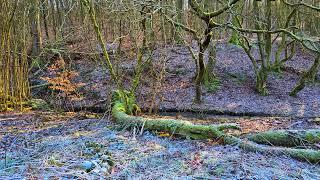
(62, 80)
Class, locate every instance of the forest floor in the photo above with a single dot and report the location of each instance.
(55, 145)
(167, 85)
(44, 144)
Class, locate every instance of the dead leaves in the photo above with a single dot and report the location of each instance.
(263, 124)
(63, 80)
(196, 161)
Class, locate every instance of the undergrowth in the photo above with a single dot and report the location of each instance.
(213, 85)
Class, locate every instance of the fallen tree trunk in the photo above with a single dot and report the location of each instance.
(309, 155)
(192, 131)
(287, 138)
(173, 126)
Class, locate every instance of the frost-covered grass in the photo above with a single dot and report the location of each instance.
(58, 148)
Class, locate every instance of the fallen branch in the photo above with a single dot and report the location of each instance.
(309, 155)
(287, 138)
(178, 127)
(192, 131)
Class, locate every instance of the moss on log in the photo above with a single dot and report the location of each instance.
(192, 131)
(173, 126)
(309, 155)
(287, 138)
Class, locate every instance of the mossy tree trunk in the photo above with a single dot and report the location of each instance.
(309, 75)
(124, 108)
(263, 29)
(287, 138)
(216, 132)
(208, 18)
(263, 46)
(309, 155)
(210, 74)
(173, 126)
(201, 63)
(261, 84)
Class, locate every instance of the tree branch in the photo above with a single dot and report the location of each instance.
(302, 4)
(206, 16)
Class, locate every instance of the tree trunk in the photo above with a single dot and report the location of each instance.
(287, 138)
(201, 64)
(261, 85)
(309, 75)
(200, 75)
(60, 17)
(192, 131)
(36, 29)
(209, 74)
(44, 12)
(54, 23)
(173, 126)
(180, 19)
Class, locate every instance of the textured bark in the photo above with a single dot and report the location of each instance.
(209, 74)
(261, 84)
(201, 64)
